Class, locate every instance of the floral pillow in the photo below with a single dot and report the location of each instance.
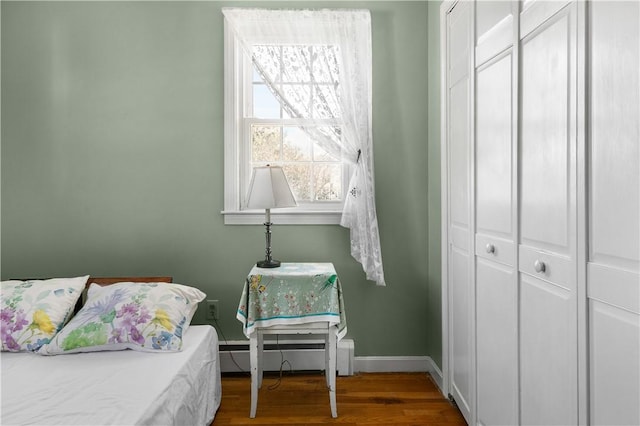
(141, 316)
(32, 312)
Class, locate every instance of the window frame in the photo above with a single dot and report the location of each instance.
(237, 156)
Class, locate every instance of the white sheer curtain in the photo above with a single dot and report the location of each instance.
(330, 51)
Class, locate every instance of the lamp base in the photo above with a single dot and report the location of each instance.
(268, 263)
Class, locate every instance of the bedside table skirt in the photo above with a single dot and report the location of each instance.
(293, 294)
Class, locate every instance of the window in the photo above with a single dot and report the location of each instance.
(298, 93)
(316, 176)
(269, 130)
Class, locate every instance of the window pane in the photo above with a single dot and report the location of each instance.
(319, 154)
(326, 102)
(333, 152)
(296, 145)
(265, 143)
(265, 105)
(269, 59)
(328, 182)
(256, 77)
(299, 177)
(296, 64)
(298, 95)
(325, 64)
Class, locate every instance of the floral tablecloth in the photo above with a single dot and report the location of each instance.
(294, 293)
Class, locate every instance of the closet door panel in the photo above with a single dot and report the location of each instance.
(614, 112)
(494, 29)
(496, 277)
(544, 164)
(547, 262)
(615, 286)
(501, 250)
(497, 344)
(535, 12)
(460, 301)
(458, 47)
(459, 259)
(554, 268)
(493, 148)
(461, 337)
(547, 354)
(615, 365)
(459, 154)
(613, 278)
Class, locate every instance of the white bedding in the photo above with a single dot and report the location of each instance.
(115, 388)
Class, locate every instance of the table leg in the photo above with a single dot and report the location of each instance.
(260, 358)
(253, 356)
(326, 357)
(331, 370)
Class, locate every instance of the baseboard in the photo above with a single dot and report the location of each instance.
(308, 354)
(400, 364)
(391, 364)
(300, 355)
(436, 375)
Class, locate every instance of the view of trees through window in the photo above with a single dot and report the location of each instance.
(314, 174)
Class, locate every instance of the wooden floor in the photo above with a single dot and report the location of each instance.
(398, 399)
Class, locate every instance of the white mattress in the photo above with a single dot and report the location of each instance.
(115, 388)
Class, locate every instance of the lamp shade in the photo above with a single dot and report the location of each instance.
(269, 189)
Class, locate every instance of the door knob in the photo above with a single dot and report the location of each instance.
(539, 266)
(490, 248)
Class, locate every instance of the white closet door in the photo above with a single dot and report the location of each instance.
(613, 280)
(547, 246)
(459, 290)
(497, 360)
(496, 278)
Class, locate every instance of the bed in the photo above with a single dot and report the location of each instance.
(122, 387)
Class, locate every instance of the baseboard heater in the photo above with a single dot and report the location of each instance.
(302, 355)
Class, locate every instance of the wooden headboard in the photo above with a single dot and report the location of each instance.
(113, 280)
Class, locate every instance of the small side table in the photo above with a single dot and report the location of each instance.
(296, 298)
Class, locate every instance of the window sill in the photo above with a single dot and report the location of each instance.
(283, 218)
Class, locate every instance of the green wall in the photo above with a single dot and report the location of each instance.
(112, 160)
(434, 296)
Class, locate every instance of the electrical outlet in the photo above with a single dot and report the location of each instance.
(212, 309)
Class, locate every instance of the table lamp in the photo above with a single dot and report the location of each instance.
(269, 189)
